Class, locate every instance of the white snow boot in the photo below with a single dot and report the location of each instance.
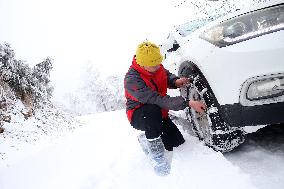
(160, 163)
(143, 143)
(169, 156)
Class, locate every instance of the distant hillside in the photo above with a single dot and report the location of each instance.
(26, 110)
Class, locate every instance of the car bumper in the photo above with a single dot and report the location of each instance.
(239, 116)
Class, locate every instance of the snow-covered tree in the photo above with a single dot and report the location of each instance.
(20, 84)
(41, 83)
(31, 85)
(97, 93)
(116, 99)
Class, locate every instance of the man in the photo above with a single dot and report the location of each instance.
(147, 104)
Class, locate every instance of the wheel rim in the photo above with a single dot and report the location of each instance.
(201, 120)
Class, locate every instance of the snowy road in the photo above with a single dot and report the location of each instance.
(104, 154)
(262, 157)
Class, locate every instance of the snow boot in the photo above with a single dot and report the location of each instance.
(160, 163)
(169, 156)
(143, 143)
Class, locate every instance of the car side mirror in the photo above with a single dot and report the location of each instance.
(174, 48)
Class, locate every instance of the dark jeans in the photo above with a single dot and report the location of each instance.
(148, 118)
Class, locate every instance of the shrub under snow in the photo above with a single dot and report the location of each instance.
(25, 107)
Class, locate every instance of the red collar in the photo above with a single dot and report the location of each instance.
(143, 71)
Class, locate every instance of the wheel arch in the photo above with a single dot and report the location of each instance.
(224, 138)
(191, 68)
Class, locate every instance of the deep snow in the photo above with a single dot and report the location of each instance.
(262, 157)
(104, 153)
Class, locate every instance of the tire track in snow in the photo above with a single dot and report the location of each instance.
(262, 157)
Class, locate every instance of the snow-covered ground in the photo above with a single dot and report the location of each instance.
(262, 157)
(104, 153)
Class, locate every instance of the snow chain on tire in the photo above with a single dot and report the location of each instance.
(214, 131)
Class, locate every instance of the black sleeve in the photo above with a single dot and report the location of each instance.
(172, 80)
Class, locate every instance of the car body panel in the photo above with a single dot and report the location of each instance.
(256, 57)
(228, 69)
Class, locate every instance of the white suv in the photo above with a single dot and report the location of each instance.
(237, 68)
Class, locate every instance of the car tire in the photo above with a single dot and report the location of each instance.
(208, 127)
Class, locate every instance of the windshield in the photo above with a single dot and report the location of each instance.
(189, 27)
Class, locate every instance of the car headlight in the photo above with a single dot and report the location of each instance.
(266, 88)
(246, 26)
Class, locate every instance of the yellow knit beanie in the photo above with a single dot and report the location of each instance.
(148, 54)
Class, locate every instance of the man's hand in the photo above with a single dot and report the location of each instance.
(197, 106)
(182, 82)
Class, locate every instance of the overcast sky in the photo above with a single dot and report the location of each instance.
(73, 32)
(82, 30)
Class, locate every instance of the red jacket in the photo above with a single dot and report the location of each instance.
(142, 87)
